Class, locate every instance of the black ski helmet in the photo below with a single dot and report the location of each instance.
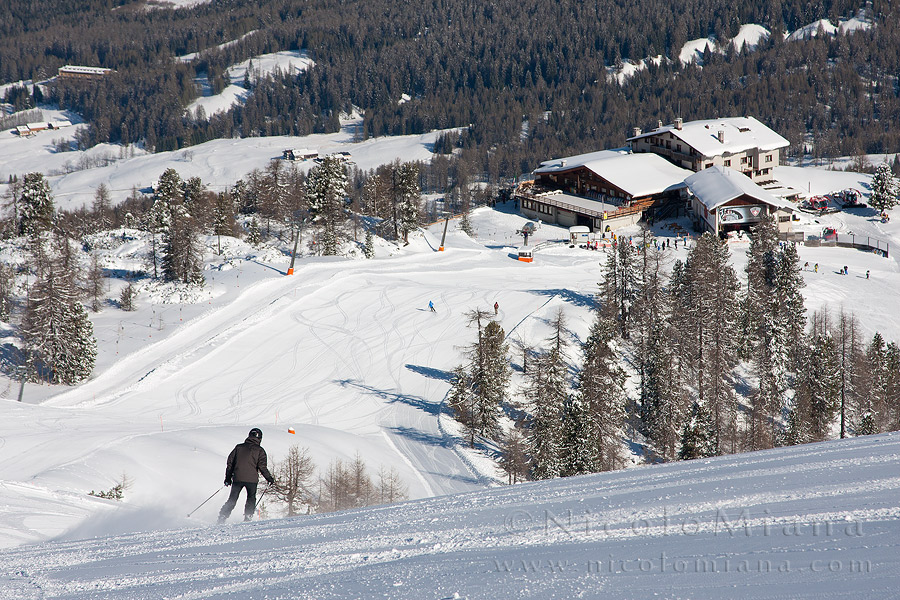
(255, 433)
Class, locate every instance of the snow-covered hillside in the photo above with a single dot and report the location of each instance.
(816, 521)
(287, 62)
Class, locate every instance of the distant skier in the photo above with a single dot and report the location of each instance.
(245, 463)
(816, 268)
(845, 270)
(431, 306)
(867, 273)
(496, 307)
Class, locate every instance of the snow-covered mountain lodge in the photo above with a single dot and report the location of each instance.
(741, 143)
(609, 189)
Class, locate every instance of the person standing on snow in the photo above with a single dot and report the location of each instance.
(496, 307)
(245, 463)
(431, 306)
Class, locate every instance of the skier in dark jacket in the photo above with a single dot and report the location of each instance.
(245, 463)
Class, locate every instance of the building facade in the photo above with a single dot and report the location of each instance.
(740, 143)
(724, 200)
(601, 190)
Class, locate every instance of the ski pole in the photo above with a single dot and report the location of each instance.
(258, 500)
(205, 501)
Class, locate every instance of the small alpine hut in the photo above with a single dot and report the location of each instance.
(726, 200)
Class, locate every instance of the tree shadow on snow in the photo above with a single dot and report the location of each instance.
(575, 298)
(427, 406)
(419, 436)
(432, 373)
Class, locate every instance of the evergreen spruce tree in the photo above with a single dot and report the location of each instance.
(706, 333)
(766, 336)
(326, 188)
(601, 399)
(56, 329)
(578, 444)
(817, 395)
(35, 205)
(884, 189)
(546, 393)
(697, 438)
(462, 402)
(7, 284)
(182, 252)
(369, 248)
(891, 385)
(253, 234)
(545, 421)
(513, 455)
(223, 218)
(102, 208)
(94, 282)
(850, 358)
(620, 283)
(873, 383)
(409, 198)
(127, 297)
(491, 381)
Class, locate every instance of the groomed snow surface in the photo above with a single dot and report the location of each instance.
(347, 354)
(817, 521)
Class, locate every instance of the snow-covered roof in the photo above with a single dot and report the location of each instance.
(740, 134)
(637, 174)
(717, 185)
(84, 70)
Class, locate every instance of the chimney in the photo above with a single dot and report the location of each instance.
(659, 124)
(562, 163)
(679, 123)
(636, 132)
(721, 136)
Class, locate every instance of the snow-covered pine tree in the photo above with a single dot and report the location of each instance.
(409, 199)
(884, 189)
(652, 346)
(513, 455)
(817, 394)
(491, 380)
(101, 209)
(892, 386)
(369, 247)
(850, 357)
(223, 217)
(873, 380)
(326, 188)
(620, 283)
(697, 437)
(601, 396)
(707, 313)
(545, 405)
(767, 345)
(462, 400)
(7, 283)
(546, 394)
(788, 302)
(182, 253)
(465, 220)
(93, 284)
(192, 192)
(127, 297)
(253, 234)
(578, 443)
(35, 205)
(56, 329)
